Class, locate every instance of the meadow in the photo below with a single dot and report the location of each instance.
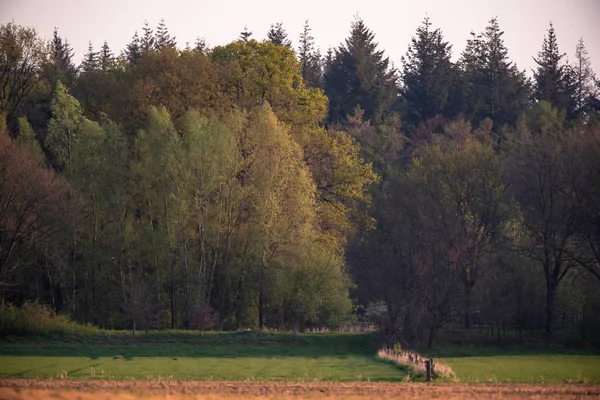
(270, 356)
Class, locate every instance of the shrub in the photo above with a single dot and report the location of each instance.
(37, 319)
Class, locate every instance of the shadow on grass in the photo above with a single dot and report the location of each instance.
(210, 345)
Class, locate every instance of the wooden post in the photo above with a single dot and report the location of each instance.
(428, 369)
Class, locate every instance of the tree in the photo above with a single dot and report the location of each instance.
(107, 58)
(359, 75)
(245, 35)
(201, 46)
(22, 56)
(27, 139)
(310, 59)
(133, 52)
(64, 126)
(278, 36)
(251, 73)
(32, 207)
(493, 87)
(427, 75)
(585, 88)
(552, 77)
(90, 61)
(465, 184)
(148, 40)
(545, 178)
(60, 63)
(163, 38)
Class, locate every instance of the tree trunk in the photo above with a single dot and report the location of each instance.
(226, 260)
(186, 293)
(467, 316)
(550, 292)
(261, 289)
(432, 332)
(173, 305)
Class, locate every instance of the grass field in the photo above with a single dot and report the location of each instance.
(264, 356)
(212, 356)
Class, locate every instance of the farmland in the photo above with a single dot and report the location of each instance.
(256, 363)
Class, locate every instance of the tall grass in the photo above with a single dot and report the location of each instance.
(37, 319)
(416, 362)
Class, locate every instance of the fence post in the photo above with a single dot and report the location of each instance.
(428, 369)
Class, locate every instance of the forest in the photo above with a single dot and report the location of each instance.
(255, 184)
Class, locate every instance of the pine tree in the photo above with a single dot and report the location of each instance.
(62, 67)
(553, 79)
(245, 35)
(427, 75)
(134, 51)
(200, 45)
(107, 58)
(147, 41)
(277, 35)
(91, 60)
(492, 85)
(359, 75)
(310, 59)
(585, 80)
(163, 38)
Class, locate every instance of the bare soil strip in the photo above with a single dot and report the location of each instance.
(29, 389)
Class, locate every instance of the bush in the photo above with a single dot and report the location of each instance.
(37, 319)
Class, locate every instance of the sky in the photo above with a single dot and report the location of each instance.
(394, 22)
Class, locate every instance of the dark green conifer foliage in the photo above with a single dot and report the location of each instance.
(427, 75)
(61, 66)
(163, 39)
(492, 85)
(553, 79)
(91, 61)
(200, 45)
(310, 59)
(147, 41)
(360, 75)
(134, 51)
(245, 35)
(277, 35)
(107, 58)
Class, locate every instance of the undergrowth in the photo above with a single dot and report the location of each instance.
(36, 319)
(416, 363)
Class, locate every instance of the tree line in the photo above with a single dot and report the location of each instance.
(250, 184)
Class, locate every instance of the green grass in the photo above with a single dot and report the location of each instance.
(217, 356)
(256, 355)
(546, 368)
(520, 364)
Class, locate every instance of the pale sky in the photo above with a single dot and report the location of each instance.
(394, 21)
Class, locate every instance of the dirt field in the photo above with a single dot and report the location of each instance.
(30, 389)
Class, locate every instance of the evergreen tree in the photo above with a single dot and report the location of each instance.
(107, 58)
(61, 66)
(359, 75)
(493, 87)
(91, 60)
(310, 59)
(427, 75)
(163, 38)
(585, 80)
(200, 45)
(245, 35)
(277, 35)
(552, 77)
(147, 42)
(134, 51)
